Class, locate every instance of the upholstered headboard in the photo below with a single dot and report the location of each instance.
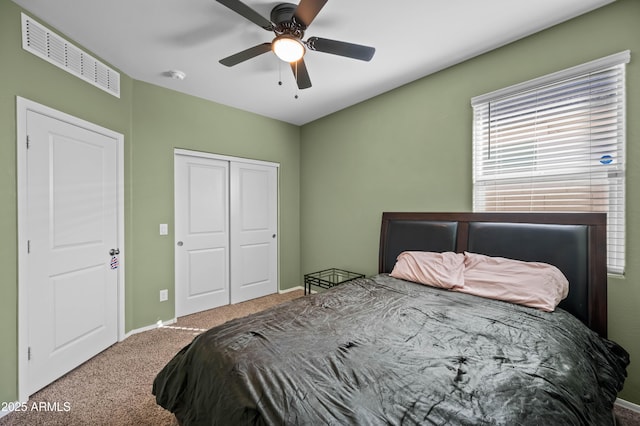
(573, 242)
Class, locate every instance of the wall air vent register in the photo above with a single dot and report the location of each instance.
(49, 46)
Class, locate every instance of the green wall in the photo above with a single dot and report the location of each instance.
(410, 150)
(153, 121)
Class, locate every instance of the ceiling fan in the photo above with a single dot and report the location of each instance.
(288, 22)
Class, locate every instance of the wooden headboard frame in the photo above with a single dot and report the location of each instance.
(574, 242)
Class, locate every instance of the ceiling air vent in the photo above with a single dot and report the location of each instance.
(49, 46)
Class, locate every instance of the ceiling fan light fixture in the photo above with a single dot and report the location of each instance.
(288, 48)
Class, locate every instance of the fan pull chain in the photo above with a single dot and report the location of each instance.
(296, 94)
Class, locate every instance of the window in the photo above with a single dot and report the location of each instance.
(556, 143)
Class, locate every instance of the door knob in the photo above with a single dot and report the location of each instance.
(180, 243)
(113, 252)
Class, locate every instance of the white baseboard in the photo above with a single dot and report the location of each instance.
(174, 320)
(628, 405)
(289, 290)
(150, 327)
(5, 412)
(5, 409)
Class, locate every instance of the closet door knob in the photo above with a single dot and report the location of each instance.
(180, 243)
(273, 236)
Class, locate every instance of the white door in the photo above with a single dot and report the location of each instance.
(72, 225)
(202, 233)
(254, 226)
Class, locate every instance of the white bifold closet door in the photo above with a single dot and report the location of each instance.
(226, 231)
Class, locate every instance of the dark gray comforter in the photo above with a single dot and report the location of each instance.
(384, 351)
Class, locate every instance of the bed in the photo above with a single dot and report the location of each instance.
(383, 350)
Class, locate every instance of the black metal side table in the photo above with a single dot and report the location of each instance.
(328, 278)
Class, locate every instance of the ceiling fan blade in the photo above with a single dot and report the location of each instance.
(307, 10)
(341, 48)
(251, 52)
(301, 74)
(247, 12)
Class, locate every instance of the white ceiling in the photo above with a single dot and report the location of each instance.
(413, 38)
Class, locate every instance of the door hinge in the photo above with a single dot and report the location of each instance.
(29, 353)
(28, 141)
(28, 246)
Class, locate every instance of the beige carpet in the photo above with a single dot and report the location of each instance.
(114, 388)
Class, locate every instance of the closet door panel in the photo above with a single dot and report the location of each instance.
(202, 234)
(253, 224)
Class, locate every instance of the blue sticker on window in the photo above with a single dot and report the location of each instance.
(606, 159)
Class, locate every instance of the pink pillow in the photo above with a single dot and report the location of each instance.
(535, 284)
(445, 270)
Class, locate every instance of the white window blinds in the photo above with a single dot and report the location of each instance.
(556, 144)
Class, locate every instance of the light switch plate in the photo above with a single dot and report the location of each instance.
(164, 229)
